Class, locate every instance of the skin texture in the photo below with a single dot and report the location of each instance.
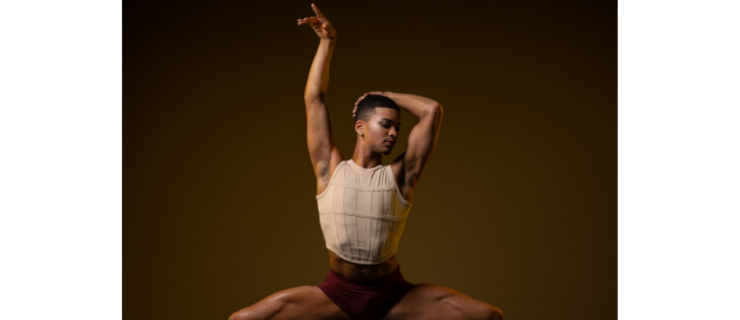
(424, 300)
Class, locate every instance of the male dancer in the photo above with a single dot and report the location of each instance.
(362, 209)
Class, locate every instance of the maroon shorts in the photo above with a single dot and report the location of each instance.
(366, 300)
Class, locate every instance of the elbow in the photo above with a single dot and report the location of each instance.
(435, 106)
(310, 99)
(435, 109)
(436, 114)
(313, 97)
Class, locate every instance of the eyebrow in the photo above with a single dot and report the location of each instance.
(389, 120)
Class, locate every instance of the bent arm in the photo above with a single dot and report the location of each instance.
(417, 105)
(320, 144)
(423, 137)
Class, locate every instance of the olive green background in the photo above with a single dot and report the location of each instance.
(517, 205)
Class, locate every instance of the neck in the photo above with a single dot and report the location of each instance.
(365, 158)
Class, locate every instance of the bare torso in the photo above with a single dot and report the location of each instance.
(360, 272)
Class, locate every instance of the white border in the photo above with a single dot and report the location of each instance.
(60, 170)
(60, 159)
(679, 159)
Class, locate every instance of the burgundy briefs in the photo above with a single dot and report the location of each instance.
(366, 300)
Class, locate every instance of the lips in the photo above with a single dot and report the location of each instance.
(390, 142)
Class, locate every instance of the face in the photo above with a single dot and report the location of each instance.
(382, 130)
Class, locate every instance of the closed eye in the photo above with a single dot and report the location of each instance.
(388, 127)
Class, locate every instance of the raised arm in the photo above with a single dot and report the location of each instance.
(423, 137)
(321, 148)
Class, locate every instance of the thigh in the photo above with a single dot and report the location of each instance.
(430, 301)
(304, 302)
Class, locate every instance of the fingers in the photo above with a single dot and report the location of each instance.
(308, 20)
(381, 93)
(316, 9)
(360, 99)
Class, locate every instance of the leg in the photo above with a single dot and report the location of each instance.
(430, 301)
(304, 302)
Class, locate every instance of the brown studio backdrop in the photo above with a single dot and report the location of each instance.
(517, 206)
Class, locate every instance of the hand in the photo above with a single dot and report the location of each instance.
(380, 93)
(320, 24)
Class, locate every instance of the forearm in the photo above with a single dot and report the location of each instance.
(318, 77)
(416, 105)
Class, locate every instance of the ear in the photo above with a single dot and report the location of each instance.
(360, 127)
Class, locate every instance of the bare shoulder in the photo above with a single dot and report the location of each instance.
(432, 301)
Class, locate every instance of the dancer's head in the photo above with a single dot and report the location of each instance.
(377, 120)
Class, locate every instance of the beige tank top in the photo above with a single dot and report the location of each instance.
(362, 213)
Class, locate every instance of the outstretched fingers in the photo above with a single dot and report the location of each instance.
(318, 12)
(308, 20)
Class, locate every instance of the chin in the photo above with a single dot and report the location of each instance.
(387, 151)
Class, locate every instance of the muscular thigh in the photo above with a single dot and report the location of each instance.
(304, 302)
(430, 301)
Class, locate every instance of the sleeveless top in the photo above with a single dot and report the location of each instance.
(362, 213)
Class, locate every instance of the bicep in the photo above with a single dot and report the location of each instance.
(421, 143)
(320, 145)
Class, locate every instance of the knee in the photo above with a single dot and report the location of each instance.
(262, 310)
(494, 313)
(485, 311)
(244, 314)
